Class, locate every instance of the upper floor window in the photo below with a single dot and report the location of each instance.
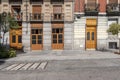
(91, 4)
(15, 1)
(36, 1)
(57, 1)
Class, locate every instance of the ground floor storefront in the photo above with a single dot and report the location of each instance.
(85, 33)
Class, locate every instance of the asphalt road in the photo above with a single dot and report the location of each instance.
(104, 69)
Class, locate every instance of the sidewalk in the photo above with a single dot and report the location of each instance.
(62, 55)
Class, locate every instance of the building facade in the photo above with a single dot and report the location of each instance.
(92, 19)
(62, 24)
(45, 24)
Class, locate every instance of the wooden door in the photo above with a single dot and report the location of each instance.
(57, 38)
(16, 38)
(37, 38)
(91, 38)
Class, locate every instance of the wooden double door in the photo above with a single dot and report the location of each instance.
(57, 38)
(16, 38)
(91, 37)
(36, 36)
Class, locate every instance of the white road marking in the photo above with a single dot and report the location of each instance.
(34, 66)
(18, 67)
(26, 66)
(42, 65)
(9, 67)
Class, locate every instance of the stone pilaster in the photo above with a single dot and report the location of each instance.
(26, 31)
(47, 36)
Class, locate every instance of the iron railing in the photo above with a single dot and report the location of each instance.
(57, 17)
(36, 17)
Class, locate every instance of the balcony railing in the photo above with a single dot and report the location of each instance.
(15, 1)
(91, 9)
(36, 17)
(113, 9)
(57, 1)
(57, 17)
(17, 16)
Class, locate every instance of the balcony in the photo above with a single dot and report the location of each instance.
(57, 1)
(113, 9)
(57, 17)
(36, 17)
(36, 1)
(15, 1)
(91, 9)
(17, 16)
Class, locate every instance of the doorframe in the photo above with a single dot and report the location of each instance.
(52, 34)
(86, 31)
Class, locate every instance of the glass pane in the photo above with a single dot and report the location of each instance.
(60, 36)
(39, 41)
(88, 35)
(57, 30)
(53, 30)
(61, 30)
(54, 36)
(19, 39)
(54, 41)
(33, 41)
(60, 41)
(40, 37)
(33, 36)
(36, 31)
(92, 35)
(39, 16)
(40, 31)
(13, 39)
(35, 16)
(32, 31)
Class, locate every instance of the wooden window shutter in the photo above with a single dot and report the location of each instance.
(57, 9)
(37, 9)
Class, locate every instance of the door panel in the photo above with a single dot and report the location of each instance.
(57, 38)
(37, 38)
(16, 38)
(91, 38)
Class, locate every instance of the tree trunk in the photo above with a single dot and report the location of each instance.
(3, 39)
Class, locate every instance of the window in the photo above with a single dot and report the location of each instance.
(33, 39)
(88, 35)
(37, 36)
(19, 39)
(13, 39)
(39, 39)
(92, 35)
(113, 45)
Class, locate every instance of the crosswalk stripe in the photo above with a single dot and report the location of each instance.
(18, 67)
(9, 67)
(26, 66)
(42, 65)
(34, 66)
